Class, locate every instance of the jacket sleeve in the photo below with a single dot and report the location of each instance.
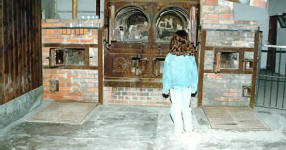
(166, 76)
(194, 75)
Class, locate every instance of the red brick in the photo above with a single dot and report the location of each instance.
(57, 75)
(234, 99)
(94, 31)
(61, 84)
(109, 101)
(68, 31)
(47, 25)
(220, 99)
(212, 16)
(65, 88)
(51, 71)
(81, 31)
(242, 22)
(85, 31)
(69, 97)
(47, 92)
(120, 102)
(62, 71)
(215, 76)
(73, 41)
(46, 83)
(76, 93)
(226, 21)
(87, 40)
(77, 32)
(214, 21)
(93, 80)
(51, 36)
(259, 3)
(72, 75)
(234, 90)
(52, 41)
(61, 37)
(92, 89)
(230, 94)
(225, 16)
(211, 2)
(55, 97)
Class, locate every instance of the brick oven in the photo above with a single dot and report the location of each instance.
(70, 61)
(228, 67)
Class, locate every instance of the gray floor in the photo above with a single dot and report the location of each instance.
(119, 127)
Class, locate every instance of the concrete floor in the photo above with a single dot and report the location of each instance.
(119, 127)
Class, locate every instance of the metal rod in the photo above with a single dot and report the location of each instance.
(270, 80)
(210, 29)
(278, 79)
(275, 46)
(272, 76)
(270, 92)
(271, 107)
(264, 91)
(284, 87)
(258, 78)
(74, 9)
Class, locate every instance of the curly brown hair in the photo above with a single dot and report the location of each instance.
(181, 45)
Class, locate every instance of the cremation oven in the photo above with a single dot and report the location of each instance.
(138, 36)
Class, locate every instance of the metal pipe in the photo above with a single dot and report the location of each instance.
(275, 46)
(278, 79)
(74, 9)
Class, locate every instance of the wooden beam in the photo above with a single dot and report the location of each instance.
(236, 1)
(2, 85)
(201, 68)
(74, 9)
(272, 39)
(255, 67)
(100, 66)
(98, 8)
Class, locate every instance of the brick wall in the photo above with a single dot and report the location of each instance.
(222, 88)
(135, 96)
(74, 84)
(225, 89)
(218, 14)
(67, 36)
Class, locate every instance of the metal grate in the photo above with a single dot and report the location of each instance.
(271, 81)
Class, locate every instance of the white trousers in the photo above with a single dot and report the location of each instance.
(180, 109)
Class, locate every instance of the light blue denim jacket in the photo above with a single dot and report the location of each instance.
(180, 71)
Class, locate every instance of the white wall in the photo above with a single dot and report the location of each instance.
(250, 13)
(277, 7)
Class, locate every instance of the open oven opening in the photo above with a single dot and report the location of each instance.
(60, 57)
(229, 60)
(131, 24)
(169, 21)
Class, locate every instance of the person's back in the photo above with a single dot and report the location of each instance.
(180, 71)
(180, 79)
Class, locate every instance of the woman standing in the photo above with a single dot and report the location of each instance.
(180, 79)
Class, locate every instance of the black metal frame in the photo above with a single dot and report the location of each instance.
(275, 79)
